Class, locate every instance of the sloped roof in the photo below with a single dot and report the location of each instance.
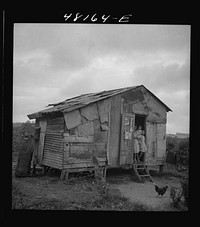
(83, 100)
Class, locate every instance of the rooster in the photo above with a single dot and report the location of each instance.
(162, 190)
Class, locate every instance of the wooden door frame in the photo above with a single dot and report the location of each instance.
(122, 135)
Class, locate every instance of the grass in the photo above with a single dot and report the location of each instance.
(49, 193)
(89, 200)
(117, 203)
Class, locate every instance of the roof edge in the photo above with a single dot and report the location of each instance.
(168, 109)
(54, 109)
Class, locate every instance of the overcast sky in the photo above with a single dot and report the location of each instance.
(53, 62)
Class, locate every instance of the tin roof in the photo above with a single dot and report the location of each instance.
(83, 100)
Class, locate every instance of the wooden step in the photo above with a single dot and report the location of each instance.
(140, 167)
(137, 167)
(144, 175)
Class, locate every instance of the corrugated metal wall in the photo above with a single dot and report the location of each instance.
(53, 144)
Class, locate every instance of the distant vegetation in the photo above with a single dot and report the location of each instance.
(178, 145)
(22, 133)
(177, 150)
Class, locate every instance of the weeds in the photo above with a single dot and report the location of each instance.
(177, 193)
(109, 200)
(116, 202)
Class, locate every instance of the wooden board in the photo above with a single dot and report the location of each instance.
(40, 147)
(151, 142)
(156, 142)
(153, 117)
(139, 108)
(114, 138)
(57, 128)
(157, 112)
(83, 151)
(133, 95)
(161, 141)
(55, 121)
(104, 127)
(99, 135)
(80, 154)
(42, 125)
(82, 164)
(127, 140)
(104, 107)
(74, 138)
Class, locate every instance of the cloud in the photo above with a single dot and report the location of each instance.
(37, 99)
(139, 38)
(37, 58)
(171, 84)
(160, 77)
(65, 45)
(103, 73)
(74, 46)
(53, 62)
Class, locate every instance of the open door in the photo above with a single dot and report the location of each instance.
(127, 140)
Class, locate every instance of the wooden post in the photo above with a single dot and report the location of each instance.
(64, 175)
(44, 170)
(161, 167)
(104, 175)
(34, 169)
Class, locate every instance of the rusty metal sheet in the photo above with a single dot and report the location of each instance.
(72, 119)
(90, 112)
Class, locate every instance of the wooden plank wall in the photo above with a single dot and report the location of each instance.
(151, 142)
(141, 102)
(126, 144)
(79, 155)
(55, 124)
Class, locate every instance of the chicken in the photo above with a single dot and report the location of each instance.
(161, 191)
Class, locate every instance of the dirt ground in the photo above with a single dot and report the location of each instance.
(81, 190)
(145, 192)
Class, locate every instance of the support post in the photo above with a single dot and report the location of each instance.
(104, 175)
(64, 175)
(44, 170)
(161, 168)
(34, 169)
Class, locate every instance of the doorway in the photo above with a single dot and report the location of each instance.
(140, 121)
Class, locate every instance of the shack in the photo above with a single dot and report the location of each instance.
(97, 128)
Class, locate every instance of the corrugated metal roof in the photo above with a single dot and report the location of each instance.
(83, 100)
